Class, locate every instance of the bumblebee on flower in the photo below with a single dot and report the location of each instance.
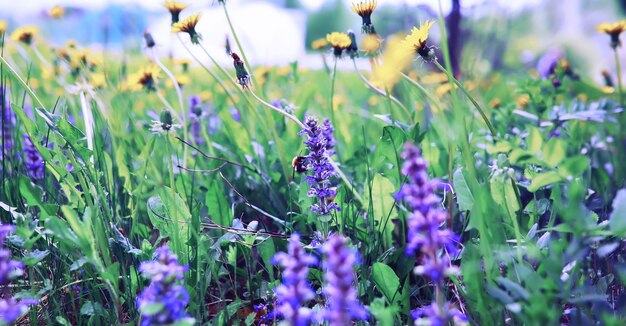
(188, 25)
(416, 42)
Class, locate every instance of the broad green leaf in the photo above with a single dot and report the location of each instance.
(544, 179)
(617, 220)
(386, 280)
(169, 213)
(534, 141)
(217, 205)
(464, 197)
(384, 314)
(382, 204)
(553, 151)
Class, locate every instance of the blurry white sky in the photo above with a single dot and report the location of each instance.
(29, 6)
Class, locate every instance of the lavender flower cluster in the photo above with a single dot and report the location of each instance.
(425, 234)
(32, 159)
(10, 308)
(293, 295)
(342, 297)
(295, 292)
(321, 144)
(8, 122)
(164, 291)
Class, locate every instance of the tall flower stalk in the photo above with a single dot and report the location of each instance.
(321, 143)
(295, 292)
(163, 301)
(342, 301)
(426, 236)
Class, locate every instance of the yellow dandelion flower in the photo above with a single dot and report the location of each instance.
(57, 12)
(339, 41)
(3, 26)
(413, 75)
(372, 100)
(97, 80)
(522, 101)
(262, 73)
(394, 60)
(442, 90)
(71, 44)
(206, 96)
(435, 78)
(608, 90)
(24, 34)
(320, 43)
(183, 80)
(416, 41)
(144, 79)
(371, 44)
(174, 7)
(284, 71)
(188, 25)
(495, 103)
(338, 101)
(365, 8)
(613, 30)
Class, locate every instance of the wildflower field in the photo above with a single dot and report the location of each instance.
(141, 189)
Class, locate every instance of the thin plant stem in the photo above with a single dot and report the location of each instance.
(232, 30)
(179, 94)
(381, 92)
(88, 118)
(283, 112)
(619, 76)
(431, 99)
(40, 56)
(332, 91)
(170, 161)
(466, 92)
(23, 83)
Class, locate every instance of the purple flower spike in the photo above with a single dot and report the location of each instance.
(294, 293)
(196, 115)
(8, 122)
(164, 273)
(33, 160)
(10, 308)
(426, 235)
(342, 297)
(437, 316)
(321, 143)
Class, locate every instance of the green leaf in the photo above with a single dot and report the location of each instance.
(544, 179)
(386, 280)
(617, 220)
(382, 203)
(534, 141)
(90, 308)
(217, 205)
(169, 213)
(383, 314)
(151, 309)
(553, 151)
(464, 197)
(574, 166)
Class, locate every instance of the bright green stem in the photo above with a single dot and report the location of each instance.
(170, 161)
(619, 77)
(23, 83)
(332, 91)
(179, 94)
(466, 92)
(232, 29)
